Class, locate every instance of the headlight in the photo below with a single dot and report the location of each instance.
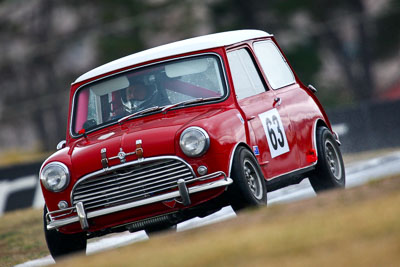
(55, 176)
(194, 141)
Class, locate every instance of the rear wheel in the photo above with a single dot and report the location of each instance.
(248, 188)
(60, 244)
(329, 172)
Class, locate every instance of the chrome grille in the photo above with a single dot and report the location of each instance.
(130, 183)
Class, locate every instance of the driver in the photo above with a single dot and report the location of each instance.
(136, 94)
(128, 100)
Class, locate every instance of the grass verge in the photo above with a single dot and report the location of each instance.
(354, 227)
(15, 156)
(21, 237)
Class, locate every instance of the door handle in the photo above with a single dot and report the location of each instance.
(277, 101)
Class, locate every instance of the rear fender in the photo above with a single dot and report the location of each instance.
(320, 123)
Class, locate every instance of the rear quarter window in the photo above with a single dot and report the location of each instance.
(273, 64)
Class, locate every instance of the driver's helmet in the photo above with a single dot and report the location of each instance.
(137, 94)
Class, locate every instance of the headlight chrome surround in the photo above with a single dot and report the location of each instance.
(55, 176)
(194, 141)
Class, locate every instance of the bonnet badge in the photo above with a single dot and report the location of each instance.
(121, 154)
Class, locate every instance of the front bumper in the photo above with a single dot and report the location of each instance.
(183, 193)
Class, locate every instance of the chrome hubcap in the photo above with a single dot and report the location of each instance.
(332, 159)
(253, 179)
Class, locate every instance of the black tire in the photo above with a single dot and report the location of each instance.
(60, 244)
(330, 171)
(248, 188)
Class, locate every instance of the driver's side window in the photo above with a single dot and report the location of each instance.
(246, 78)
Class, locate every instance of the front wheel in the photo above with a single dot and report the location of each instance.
(329, 172)
(248, 188)
(60, 244)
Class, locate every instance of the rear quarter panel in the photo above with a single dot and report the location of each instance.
(304, 110)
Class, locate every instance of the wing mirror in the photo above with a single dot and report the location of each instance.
(312, 88)
(61, 144)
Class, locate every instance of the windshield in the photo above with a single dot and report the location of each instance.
(165, 84)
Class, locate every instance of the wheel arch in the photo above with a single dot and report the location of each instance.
(317, 124)
(233, 151)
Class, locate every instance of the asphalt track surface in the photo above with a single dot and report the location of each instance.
(356, 174)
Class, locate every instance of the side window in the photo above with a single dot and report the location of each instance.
(245, 77)
(273, 64)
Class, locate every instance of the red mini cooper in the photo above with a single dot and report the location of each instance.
(180, 131)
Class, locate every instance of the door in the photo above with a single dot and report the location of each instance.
(267, 121)
(295, 101)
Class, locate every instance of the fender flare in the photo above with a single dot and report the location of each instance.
(232, 154)
(321, 123)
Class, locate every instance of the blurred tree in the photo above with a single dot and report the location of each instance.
(138, 24)
(387, 31)
(353, 56)
(35, 96)
(355, 50)
(62, 40)
(46, 44)
(125, 37)
(35, 71)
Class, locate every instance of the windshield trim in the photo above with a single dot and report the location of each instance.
(223, 98)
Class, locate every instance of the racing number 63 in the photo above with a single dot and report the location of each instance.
(274, 132)
(275, 141)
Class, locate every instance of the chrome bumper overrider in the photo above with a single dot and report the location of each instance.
(183, 193)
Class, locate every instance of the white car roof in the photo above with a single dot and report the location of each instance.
(179, 47)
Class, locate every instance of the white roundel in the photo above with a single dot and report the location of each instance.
(275, 132)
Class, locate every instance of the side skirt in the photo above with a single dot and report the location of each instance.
(288, 179)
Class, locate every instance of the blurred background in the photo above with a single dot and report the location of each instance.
(348, 49)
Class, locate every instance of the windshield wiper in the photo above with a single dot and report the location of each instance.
(141, 112)
(187, 102)
(166, 108)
